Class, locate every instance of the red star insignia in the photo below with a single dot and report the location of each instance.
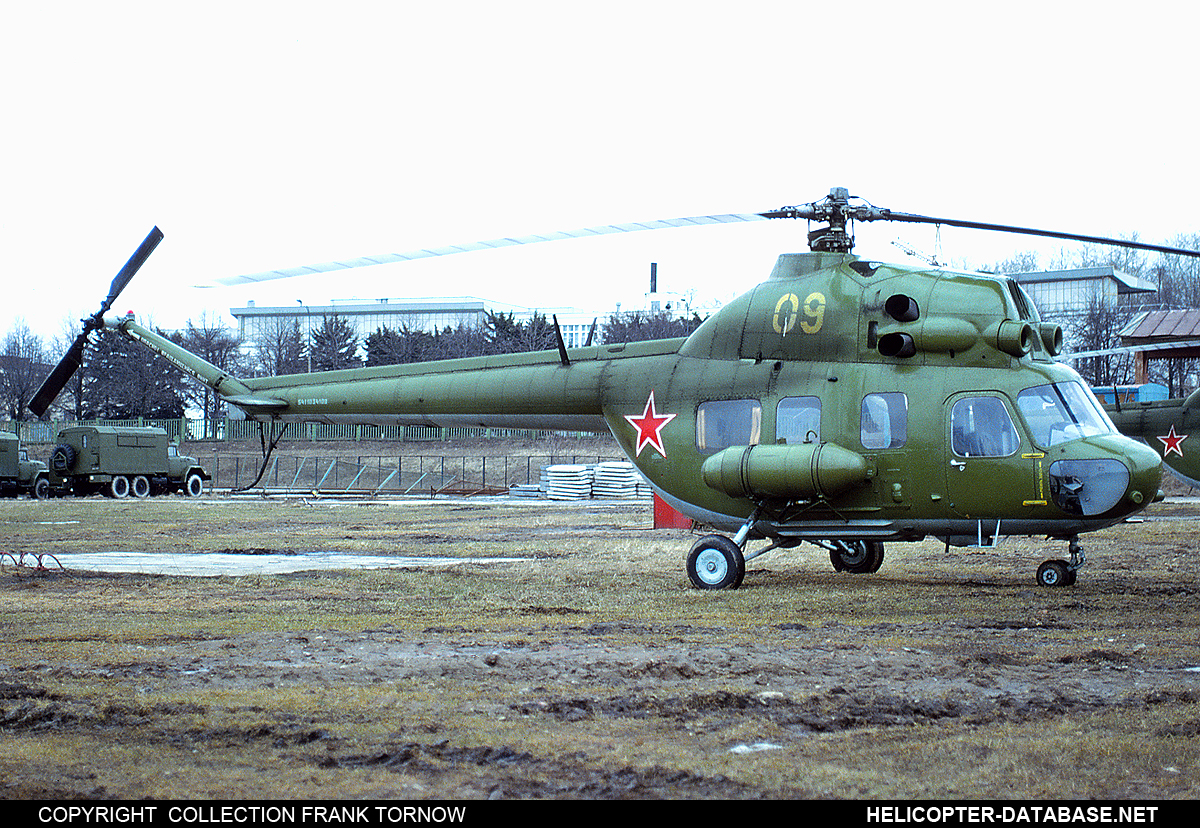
(649, 427)
(1171, 442)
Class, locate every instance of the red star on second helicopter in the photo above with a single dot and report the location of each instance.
(649, 427)
(1171, 442)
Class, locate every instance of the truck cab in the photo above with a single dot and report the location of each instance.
(18, 474)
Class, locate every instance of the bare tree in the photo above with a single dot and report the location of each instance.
(280, 348)
(637, 326)
(1025, 261)
(1096, 328)
(215, 343)
(23, 367)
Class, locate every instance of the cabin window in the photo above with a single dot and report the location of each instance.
(1062, 411)
(798, 420)
(724, 423)
(884, 421)
(981, 427)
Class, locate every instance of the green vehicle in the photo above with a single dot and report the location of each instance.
(18, 474)
(120, 461)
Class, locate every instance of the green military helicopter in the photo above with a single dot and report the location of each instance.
(1164, 425)
(842, 402)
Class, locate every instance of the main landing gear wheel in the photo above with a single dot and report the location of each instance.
(716, 562)
(1055, 574)
(859, 556)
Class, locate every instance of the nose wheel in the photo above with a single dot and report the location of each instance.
(1057, 573)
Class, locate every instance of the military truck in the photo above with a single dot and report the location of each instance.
(18, 474)
(120, 461)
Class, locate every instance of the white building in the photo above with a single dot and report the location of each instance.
(1062, 293)
(426, 314)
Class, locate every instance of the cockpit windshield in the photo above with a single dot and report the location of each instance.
(1062, 411)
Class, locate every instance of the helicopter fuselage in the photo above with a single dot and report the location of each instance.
(840, 399)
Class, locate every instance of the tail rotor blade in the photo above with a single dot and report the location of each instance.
(126, 273)
(60, 376)
(70, 363)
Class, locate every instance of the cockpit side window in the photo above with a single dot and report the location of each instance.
(1060, 412)
(981, 427)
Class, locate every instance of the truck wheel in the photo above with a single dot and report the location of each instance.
(141, 486)
(193, 486)
(119, 487)
(41, 488)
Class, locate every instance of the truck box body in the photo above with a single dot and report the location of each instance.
(121, 460)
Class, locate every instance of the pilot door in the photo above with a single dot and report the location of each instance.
(985, 473)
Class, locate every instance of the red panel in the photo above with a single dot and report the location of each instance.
(667, 516)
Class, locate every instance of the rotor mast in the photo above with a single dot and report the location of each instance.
(839, 215)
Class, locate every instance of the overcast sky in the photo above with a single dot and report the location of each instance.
(267, 135)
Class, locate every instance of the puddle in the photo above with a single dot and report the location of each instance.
(218, 563)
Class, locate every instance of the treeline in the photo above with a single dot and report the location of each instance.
(120, 379)
(1096, 325)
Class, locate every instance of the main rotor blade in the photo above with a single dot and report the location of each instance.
(59, 377)
(126, 273)
(388, 258)
(878, 214)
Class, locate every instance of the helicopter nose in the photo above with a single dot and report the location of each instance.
(1124, 481)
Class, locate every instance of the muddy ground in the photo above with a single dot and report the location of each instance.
(589, 669)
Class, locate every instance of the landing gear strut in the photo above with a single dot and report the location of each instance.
(1055, 573)
(717, 562)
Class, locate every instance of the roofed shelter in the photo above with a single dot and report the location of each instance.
(1161, 334)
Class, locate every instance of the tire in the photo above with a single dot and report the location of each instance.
(41, 489)
(716, 562)
(1054, 574)
(140, 487)
(193, 485)
(858, 557)
(119, 487)
(62, 458)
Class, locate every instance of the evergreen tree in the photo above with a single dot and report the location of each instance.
(334, 345)
(125, 380)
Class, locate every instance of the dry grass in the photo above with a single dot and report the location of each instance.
(590, 669)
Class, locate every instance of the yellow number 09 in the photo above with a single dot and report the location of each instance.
(785, 317)
(814, 309)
